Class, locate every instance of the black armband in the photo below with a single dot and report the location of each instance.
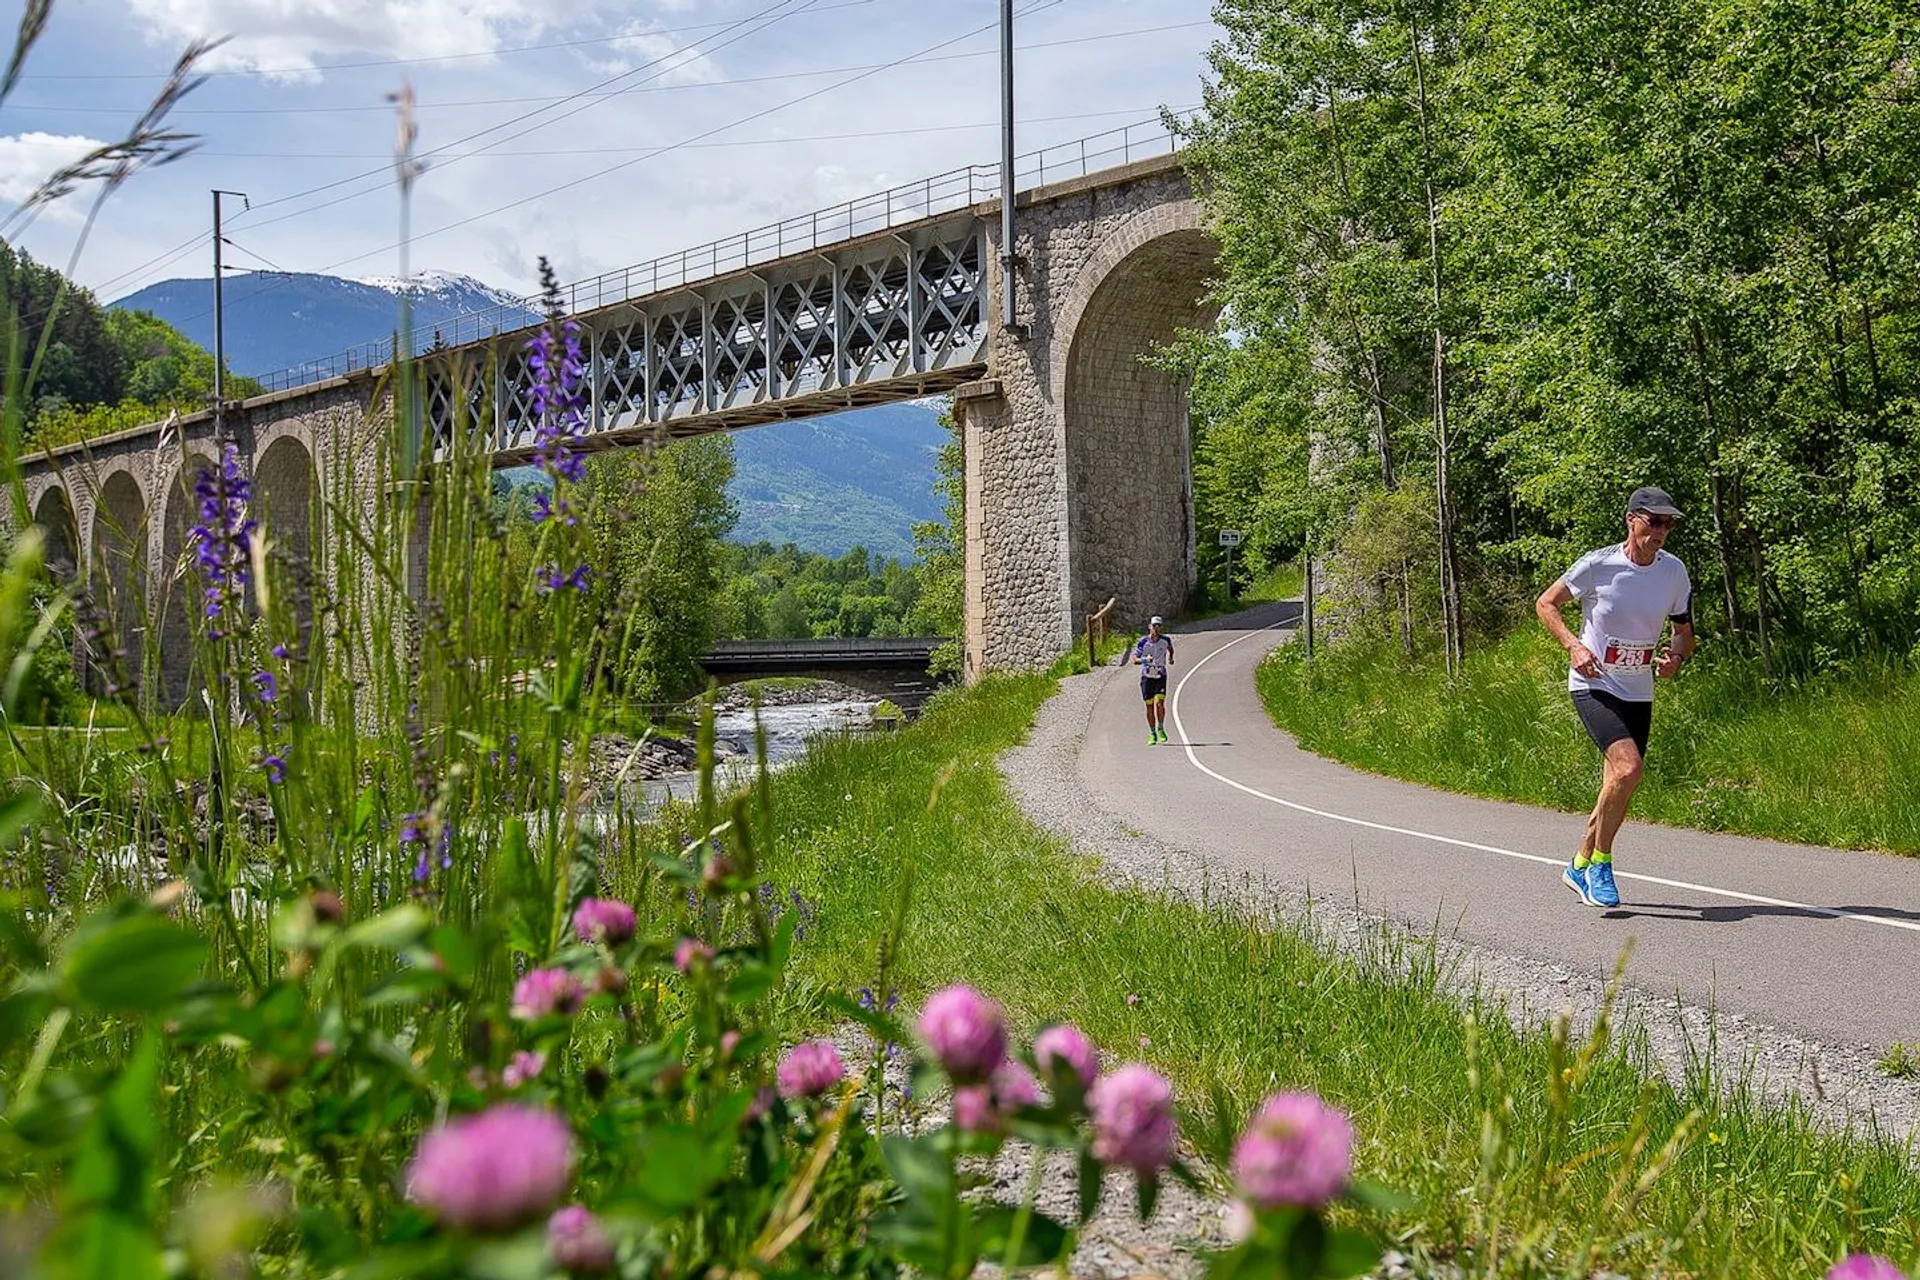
(1685, 616)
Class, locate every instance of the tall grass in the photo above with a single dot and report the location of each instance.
(1530, 1155)
(1826, 762)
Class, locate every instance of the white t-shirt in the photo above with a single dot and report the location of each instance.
(1623, 609)
(1153, 655)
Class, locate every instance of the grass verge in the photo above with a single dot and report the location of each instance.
(1528, 1156)
(1825, 763)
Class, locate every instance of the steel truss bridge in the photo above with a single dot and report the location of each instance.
(879, 319)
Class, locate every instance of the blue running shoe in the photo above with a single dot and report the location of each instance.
(1575, 878)
(1600, 888)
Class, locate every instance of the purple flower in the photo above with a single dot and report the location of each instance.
(965, 1031)
(986, 1108)
(546, 991)
(276, 767)
(523, 1066)
(578, 1243)
(1067, 1059)
(492, 1171)
(220, 538)
(1864, 1266)
(281, 652)
(604, 920)
(810, 1069)
(1297, 1151)
(973, 1110)
(690, 952)
(559, 367)
(550, 578)
(1014, 1087)
(268, 687)
(1133, 1119)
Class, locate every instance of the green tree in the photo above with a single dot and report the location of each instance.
(656, 523)
(940, 547)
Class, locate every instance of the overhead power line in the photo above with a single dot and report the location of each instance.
(649, 87)
(780, 140)
(500, 51)
(1039, 6)
(129, 280)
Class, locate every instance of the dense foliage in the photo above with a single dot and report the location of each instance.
(1490, 264)
(786, 593)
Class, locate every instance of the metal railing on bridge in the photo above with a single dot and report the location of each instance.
(863, 215)
(798, 655)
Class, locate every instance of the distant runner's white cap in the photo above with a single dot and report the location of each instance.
(1156, 621)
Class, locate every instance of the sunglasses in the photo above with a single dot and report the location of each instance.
(1655, 522)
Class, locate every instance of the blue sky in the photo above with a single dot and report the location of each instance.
(299, 103)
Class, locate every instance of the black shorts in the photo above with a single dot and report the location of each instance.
(1152, 687)
(1609, 718)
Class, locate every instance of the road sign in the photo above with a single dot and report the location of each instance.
(1230, 537)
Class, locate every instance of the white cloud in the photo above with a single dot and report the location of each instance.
(286, 38)
(669, 60)
(27, 159)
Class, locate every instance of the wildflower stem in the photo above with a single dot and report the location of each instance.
(1017, 1238)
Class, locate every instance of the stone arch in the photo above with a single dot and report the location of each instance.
(117, 573)
(286, 499)
(1127, 457)
(179, 603)
(53, 516)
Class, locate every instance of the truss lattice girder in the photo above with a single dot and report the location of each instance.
(876, 319)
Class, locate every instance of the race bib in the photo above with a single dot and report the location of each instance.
(1625, 655)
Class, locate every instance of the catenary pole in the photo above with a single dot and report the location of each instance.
(220, 327)
(1006, 164)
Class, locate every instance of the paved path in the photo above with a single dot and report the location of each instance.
(1821, 942)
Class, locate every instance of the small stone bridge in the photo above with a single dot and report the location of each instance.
(893, 667)
(1078, 482)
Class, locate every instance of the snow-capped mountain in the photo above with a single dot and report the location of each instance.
(293, 321)
(452, 287)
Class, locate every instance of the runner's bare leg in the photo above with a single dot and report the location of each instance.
(1623, 769)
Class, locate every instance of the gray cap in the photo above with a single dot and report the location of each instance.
(1655, 502)
(1156, 621)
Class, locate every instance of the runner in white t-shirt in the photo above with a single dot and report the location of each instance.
(1628, 593)
(1153, 654)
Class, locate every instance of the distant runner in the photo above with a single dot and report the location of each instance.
(1153, 654)
(1627, 593)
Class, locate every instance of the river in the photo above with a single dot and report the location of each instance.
(790, 730)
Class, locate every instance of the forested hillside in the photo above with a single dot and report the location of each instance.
(1488, 266)
(100, 370)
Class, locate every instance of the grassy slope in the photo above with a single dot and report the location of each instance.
(1827, 764)
(1223, 1002)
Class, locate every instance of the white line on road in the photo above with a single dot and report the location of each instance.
(1173, 708)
